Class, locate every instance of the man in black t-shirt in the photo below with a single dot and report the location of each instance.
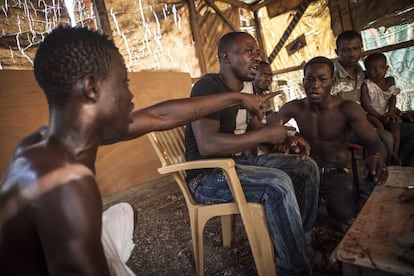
(287, 185)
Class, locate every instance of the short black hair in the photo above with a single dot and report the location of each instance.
(347, 35)
(374, 56)
(227, 40)
(67, 55)
(320, 60)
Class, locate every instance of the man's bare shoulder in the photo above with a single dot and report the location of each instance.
(348, 105)
(351, 110)
(38, 170)
(43, 161)
(293, 105)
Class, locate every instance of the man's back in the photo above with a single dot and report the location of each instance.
(20, 238)
(46, 191)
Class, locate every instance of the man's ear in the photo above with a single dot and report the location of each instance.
(89, 87)
(225, 57)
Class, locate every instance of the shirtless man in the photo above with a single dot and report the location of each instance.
(326, 122)
(50, 206)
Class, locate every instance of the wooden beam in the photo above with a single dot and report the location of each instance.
(195, 30)
(259, 35)
(221, 15)
(390, 48)
(259, 5)
(287, 70)
(237, 3)
(384, 49)
(102, 20)
(299, 12)
(202, 20)
(346, 17)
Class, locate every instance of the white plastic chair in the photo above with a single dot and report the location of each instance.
(169, 146)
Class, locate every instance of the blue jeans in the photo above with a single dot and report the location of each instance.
(340, 193)
(288, 188)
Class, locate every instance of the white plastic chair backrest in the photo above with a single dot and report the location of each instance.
(169, 146)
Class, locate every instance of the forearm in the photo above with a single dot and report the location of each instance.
(176, 112)
(391, 105)
(181, 111)
(376, 148)
(222, 144)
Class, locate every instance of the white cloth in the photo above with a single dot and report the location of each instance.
(242, 116)
(117, 232)
(379, 98)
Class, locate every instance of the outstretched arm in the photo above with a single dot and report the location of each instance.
(173, 113)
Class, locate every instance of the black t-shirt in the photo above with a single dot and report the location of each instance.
(207, 85)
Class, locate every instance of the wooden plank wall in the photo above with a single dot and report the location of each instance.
(23, 109)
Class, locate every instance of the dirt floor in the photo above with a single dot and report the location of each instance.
(163, 238)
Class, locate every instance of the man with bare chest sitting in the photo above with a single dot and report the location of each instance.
(326, 122)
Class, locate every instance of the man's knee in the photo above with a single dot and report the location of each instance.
(343, 205)
(311, 163)
(313, 170)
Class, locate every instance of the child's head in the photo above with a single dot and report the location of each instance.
(376, 66)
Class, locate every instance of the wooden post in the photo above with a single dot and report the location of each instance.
(195, 29)
(102, 20)
(346, 17)
(221, 15)
(258, 27)
(299, 12)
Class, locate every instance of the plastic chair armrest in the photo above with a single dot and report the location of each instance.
(225, 163)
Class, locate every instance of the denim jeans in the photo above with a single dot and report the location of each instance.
(340, 193)
(288, 188)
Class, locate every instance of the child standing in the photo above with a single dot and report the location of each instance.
(378, 97)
